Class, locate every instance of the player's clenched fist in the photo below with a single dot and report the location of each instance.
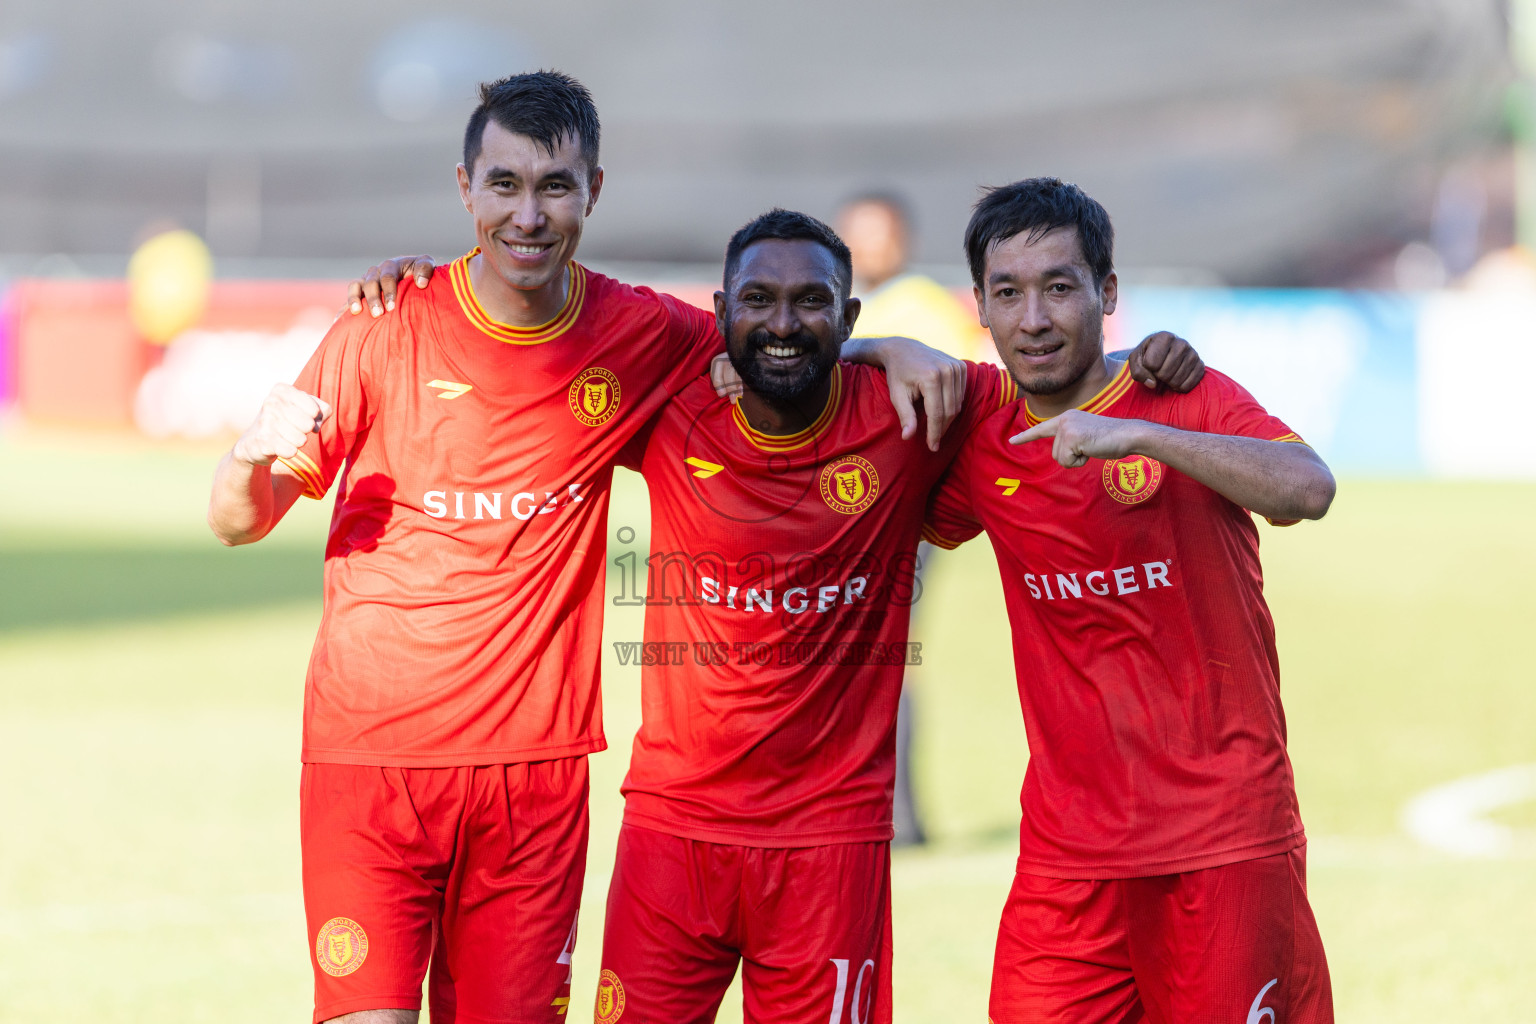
(1080, 436)
(287, 417)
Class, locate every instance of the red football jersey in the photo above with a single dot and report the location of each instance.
(1144, 651)
(465, 566)
(780, 587)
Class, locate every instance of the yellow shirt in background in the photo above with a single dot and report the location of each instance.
(915, 306)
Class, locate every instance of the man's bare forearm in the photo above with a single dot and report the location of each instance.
(248, 498)
(870, 351)
(240, 509)
(1277, 479)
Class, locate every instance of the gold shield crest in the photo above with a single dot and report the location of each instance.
(850, 485)
(1132, 477)
(341, 947)
(595, 396)
(610, 998)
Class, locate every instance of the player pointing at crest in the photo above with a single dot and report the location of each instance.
(1161, 870)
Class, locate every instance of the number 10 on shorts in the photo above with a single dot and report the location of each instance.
(863, 992)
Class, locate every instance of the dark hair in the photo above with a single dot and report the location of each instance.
(789, 226)
(1038, 206)
(546, 106)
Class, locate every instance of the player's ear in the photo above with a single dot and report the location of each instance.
(1109, 292)
(463, 175)
(720, 315)
(593, 188)
(981, 307)
(851, 309)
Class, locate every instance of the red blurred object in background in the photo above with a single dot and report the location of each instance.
(79, 359)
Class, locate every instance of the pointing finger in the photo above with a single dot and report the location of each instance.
(1035, 433)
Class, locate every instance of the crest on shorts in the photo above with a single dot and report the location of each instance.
(341, 947)
(610, 998)
(1133, 479)
(849, 485)
(594, 396)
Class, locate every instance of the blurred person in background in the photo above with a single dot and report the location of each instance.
(878, 231)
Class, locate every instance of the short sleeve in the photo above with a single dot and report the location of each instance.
(341, 375)
(1224, 406)
(987, 389)
(951, 518)
(694, 341)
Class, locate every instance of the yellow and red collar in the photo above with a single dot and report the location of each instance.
(464, 291)
(799, 439)
(1111, 393)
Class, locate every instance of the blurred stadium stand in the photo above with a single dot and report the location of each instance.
(1259, 143)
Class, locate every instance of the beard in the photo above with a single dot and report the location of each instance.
(784, 387)
(1056, 379)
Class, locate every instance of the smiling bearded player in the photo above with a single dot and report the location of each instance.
(1161, 870)
(757, 819)
(452, 696)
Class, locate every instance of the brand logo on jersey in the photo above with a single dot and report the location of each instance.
(610, 998)
(1257, 1013)
(450, 389)
(1008, 484)
(703, 469)
(794, 601)
(594, 396)
(1127, 579)
(341, 947)
(1133, 479)
(487, 504)
(849, 485)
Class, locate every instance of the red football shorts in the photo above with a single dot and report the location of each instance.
(1232, 943)
(477, 870)
(811, 927)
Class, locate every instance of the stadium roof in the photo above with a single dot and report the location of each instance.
(1256, 142)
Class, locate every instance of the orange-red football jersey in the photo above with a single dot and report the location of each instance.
(465, 565)
(1144, 650)
(780, 589)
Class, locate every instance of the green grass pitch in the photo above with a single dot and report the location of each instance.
(150, 686)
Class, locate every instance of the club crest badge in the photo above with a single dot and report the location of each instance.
(1133, 479)
(849, 485)
(594, 396)
(341, 947)
(610, 998)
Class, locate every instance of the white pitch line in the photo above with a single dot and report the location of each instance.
(1452, 817)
